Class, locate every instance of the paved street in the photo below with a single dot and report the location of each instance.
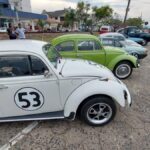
(129, 131)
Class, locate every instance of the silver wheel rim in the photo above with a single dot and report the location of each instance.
(123, 70)
(99, 113)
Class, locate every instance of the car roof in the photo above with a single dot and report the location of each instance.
(111, 33)
(72, 37)
(21, 45)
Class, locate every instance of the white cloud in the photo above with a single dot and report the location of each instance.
(50, 5)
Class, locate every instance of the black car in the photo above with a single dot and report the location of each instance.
(135, 32)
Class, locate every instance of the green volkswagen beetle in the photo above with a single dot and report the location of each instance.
(85, 46)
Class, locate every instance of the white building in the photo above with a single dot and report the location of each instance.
(21, 5)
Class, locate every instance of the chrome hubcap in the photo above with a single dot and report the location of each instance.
(99, 113)
(123, 70)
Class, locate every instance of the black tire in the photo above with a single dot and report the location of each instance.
(99, 100)
(127, 65)
(144, 43)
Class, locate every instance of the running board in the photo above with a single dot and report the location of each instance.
(42, 116)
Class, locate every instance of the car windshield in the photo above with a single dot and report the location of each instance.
(52, 54)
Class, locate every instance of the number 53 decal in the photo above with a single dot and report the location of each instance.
(29, 99)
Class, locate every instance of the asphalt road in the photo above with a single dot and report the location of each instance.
(130, 130)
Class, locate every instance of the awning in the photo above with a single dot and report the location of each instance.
(8, 13)
(4, 1)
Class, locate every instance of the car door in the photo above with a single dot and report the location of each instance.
(90, 50)
(24, 89)
(66, 49)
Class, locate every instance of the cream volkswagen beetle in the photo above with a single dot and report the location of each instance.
(36, 87)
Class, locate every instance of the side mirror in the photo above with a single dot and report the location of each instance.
(47, 74)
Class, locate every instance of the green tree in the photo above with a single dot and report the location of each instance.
(135, 22)
(102, 12)
(70, 18)
(41, 23)
(112, 21)
(82, 12)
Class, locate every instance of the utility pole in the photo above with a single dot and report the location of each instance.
(16, 3)
(127, 10)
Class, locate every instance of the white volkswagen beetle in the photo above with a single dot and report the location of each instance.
(35, 87)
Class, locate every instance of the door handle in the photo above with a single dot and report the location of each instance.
(3, 87)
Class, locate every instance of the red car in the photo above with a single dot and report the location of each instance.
(106, 29)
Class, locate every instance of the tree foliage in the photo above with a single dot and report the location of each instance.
(41, 23)
(82, 12)
(102, 12)
(82, 16)
(70, 17)
(135, 22)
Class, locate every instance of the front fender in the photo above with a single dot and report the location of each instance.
(111, 88)
(111, 65)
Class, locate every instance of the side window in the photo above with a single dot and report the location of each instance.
(37, 66)
(120, 38)
(65, 46)
(13, 66)
(117, 44)
(107, 42)
(86, 45)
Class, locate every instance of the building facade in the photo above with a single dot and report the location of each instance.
(56, 20)
(16, 11)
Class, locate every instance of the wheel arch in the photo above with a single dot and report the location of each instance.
(91, 89)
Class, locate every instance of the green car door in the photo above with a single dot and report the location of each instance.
(90, 49)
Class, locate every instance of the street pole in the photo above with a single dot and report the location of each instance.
(16, 10)
(127, 10)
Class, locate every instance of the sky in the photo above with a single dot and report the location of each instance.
(137, 8)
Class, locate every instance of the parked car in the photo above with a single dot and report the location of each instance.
(89, 47)
(138, 51)
(135, 32)
(38, 85)
(106, 29)
(121, 37)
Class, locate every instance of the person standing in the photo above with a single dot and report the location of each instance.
(11, 32)
(20, 31)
